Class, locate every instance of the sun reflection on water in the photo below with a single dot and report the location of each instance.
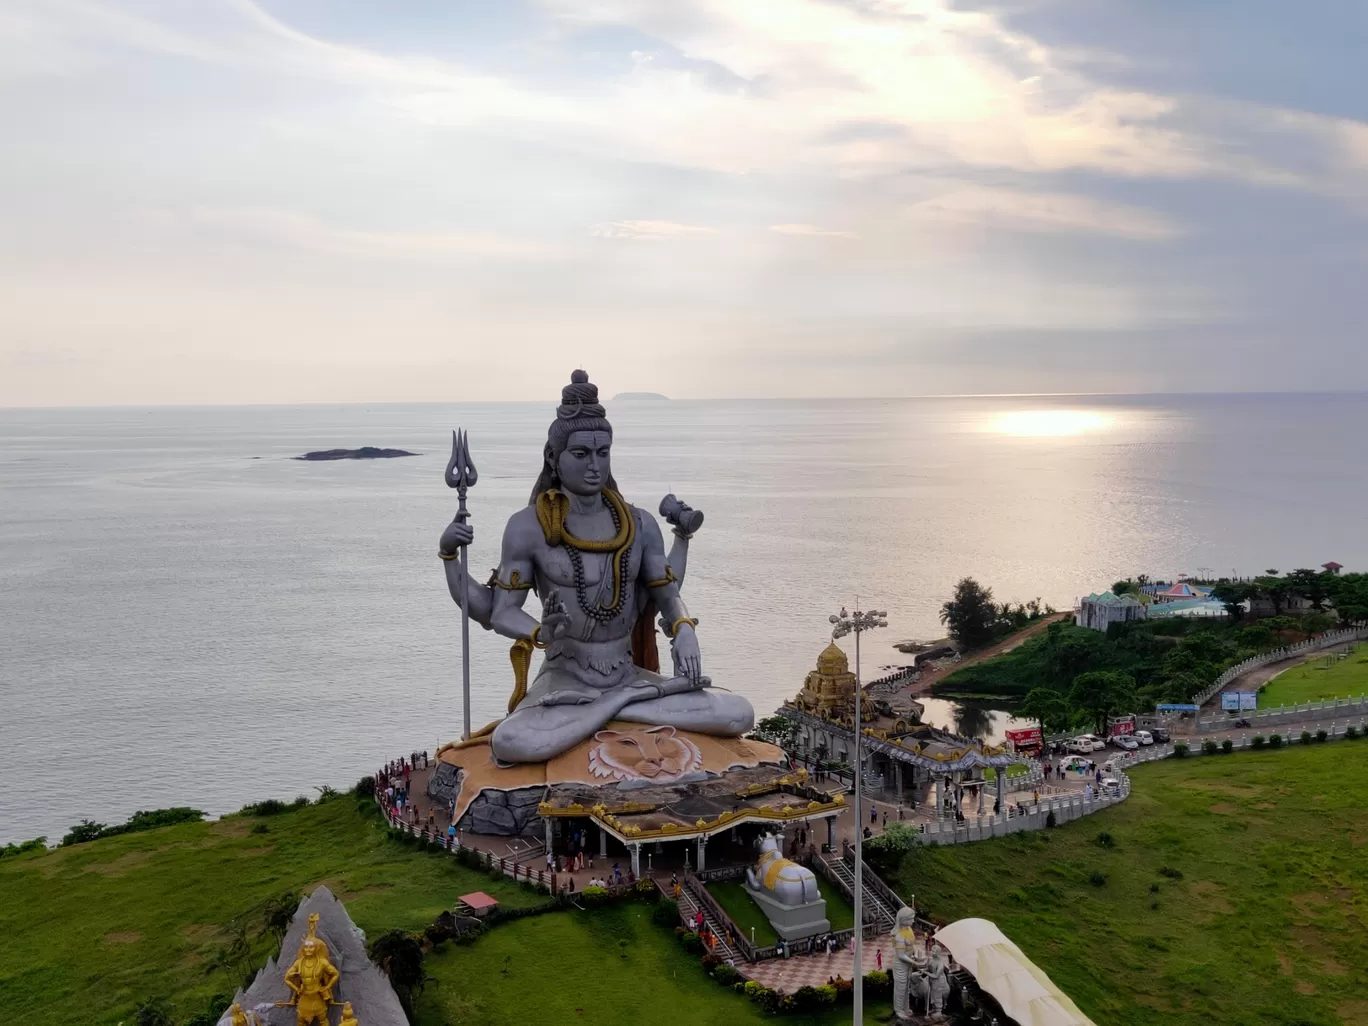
(1049, 423)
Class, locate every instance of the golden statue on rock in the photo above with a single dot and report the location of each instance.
(311, 979)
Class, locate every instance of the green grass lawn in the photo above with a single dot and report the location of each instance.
(574, 967)
(90, 931)
(1265, 925)
(1317, 680)
(745, 913)
(1016, 769)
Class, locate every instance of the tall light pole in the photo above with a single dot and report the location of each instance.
(857, 623)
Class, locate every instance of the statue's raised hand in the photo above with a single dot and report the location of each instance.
(555, 621)
(455, 535)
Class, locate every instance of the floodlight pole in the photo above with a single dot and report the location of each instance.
(857, 623)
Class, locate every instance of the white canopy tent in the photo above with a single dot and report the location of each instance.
(1000, 969)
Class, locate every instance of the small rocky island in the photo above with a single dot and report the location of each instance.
(366, 452)
(639, 395)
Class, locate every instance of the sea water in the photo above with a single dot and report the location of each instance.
(188, 616)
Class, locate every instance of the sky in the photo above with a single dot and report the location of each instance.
(275, 201)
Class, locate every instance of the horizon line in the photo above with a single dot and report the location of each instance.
(693, 399)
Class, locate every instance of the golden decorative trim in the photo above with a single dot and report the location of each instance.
(674, 627)
(515, 581)
(534, 638)
(668, 579)
(443, 555)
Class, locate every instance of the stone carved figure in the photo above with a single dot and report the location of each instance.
(311, 979)
(655, 755)
(904, 960)
(938, 982)
(598, 566)
(790, 883)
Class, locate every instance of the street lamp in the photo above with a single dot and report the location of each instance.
(857, 623)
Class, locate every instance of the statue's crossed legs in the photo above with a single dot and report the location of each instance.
(560, 711)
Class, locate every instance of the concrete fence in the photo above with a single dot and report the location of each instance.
(1327, 640)
(1285, 713)
(1026, 816)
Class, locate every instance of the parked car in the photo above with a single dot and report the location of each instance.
(1110, 786)
(1073, 763)
(1144, 737)
(1160, 734)
(1125, 741)
(1097, 743)
(1083, 745)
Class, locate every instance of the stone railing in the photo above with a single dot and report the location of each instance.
(699, 893)
(508, 865)
(1327, 640)
(1025, 816)
(1285, 713)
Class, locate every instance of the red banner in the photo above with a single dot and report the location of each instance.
(1024, 737)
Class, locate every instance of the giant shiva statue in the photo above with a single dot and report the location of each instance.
(599, 568)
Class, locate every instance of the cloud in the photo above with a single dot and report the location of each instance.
(1014, 210)
(810, 230)
(310, 233)
(648, 230)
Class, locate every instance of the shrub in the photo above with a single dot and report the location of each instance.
(1275, 741)
(843, 988)
(878, 984)
(139, 821)
(1321, 735)
(325, 794)
(85, 830)
(1351, 732)
(270, 807)
(666, 913)
(399, 956)
(213, 1012)
(726, 974)
(1170, 872)
(1180, 750)
(36, 844)
(301, 800)
(646, 888)
(365, 788)
(1154, 888)
(1227, 746)
(1106, 840)
(1097, 879)
(153, 1012)
(809, 1000)
(710, 961)
(596, 896)
(1050, 821)
(1258, 740)
(1306, 737)
(827, 994)
(693, 943)
(751, 989)
(1210, 748)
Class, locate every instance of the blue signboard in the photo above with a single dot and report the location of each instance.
(1176, 707)
(1239, 701)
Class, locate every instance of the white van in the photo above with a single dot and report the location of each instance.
(1144, 737)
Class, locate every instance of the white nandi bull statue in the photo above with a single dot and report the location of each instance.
(788, 882)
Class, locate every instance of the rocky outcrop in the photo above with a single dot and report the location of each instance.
(366, 452)
(359, 981)
(505, 813)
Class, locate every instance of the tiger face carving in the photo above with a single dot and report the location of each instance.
(654, 755)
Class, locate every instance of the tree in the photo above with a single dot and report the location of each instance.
(776, 730)
(1312, 585)
(1233, 595)
(1103, 693)
(399, 956)
(970, 616)
(1182, 687)
(1276, 589)
(1349, 593)
(887, 849)
(1281, 623)
(1047, 707)
(1121, 587)
(277, 915)
(1315, 623)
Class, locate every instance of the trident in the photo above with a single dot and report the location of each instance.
(460, 474)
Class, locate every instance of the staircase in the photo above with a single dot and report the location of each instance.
(688, 914)
(875, 908)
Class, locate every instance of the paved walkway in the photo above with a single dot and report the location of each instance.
(788, 974)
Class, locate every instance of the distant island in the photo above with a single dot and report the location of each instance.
(366, 452)
(639, 395)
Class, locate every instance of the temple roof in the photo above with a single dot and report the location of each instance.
(832, 662)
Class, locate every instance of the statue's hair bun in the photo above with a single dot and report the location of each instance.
(579, 377)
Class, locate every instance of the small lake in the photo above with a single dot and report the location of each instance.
(981, 719)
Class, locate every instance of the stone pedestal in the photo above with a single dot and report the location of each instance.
(792, 922)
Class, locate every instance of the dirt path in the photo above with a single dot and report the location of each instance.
(933, 676)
